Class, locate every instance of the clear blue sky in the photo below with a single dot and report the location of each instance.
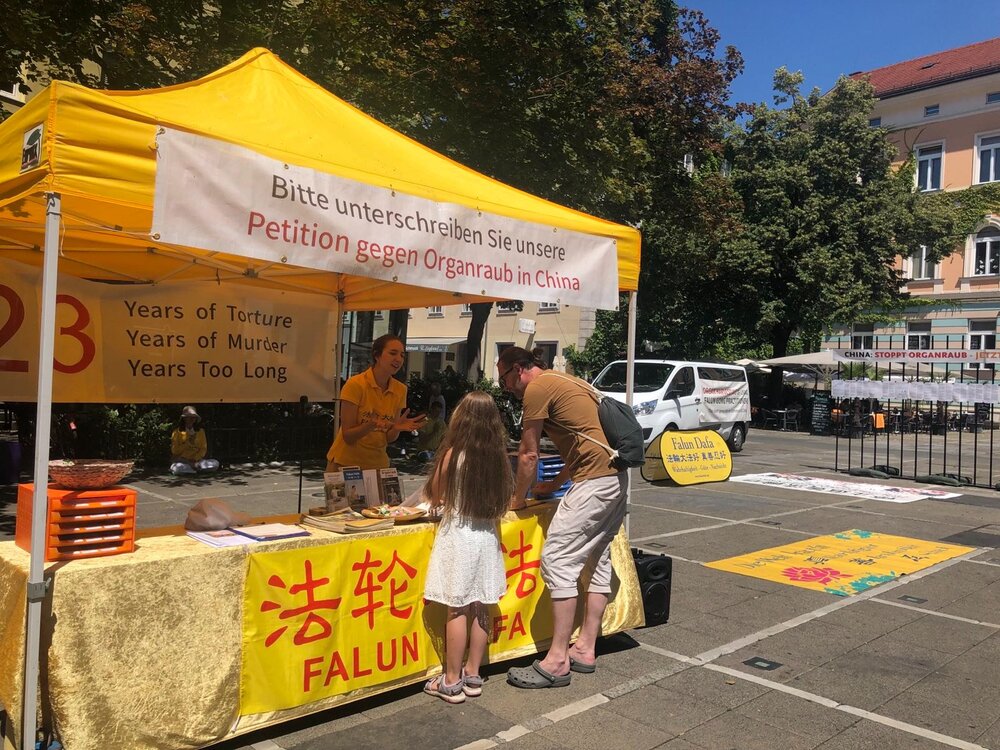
(826, 38)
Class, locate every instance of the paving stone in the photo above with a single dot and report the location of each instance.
(665, 710)
(729, 541)
(797, 715)
(798, 650)
(678, 743)
(735, 730)
(991, 737)
(696, 634)
(870, 735)
(980, 668)
(853, 689)
(655, 520)
(533, 741)
(943, 634)
(591, 731)
(982, 605)
(932, 712)
(870, 620)
(422, 728)
(709, 685)
(948, 585)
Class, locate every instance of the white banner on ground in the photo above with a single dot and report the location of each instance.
(849, 489)
(892, 390)
(218, 196)
(725, 401)
(917, 356)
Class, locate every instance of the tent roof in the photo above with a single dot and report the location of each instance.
(98, 153)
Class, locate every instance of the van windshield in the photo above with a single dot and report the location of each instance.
(649, 376)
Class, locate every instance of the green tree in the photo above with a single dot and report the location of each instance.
(824, 215)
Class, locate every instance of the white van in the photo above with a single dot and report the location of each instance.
(675, 395)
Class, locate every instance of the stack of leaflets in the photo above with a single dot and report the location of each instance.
(390, 491)
(345, 521)
(222, 538)
(265, 532)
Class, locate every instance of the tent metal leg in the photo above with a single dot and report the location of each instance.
(629, 385)
(43, 418)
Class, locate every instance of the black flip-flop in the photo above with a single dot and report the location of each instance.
(534, 677)
(581, 666)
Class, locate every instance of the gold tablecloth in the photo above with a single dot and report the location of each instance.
(143, 650)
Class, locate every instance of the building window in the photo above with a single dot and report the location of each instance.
(920, 267)
(435, 312)
(932, 109)
(548, 307)
(918, 335)
(13, 94)
(507, 308)
(993, 97)
(379, 315)
(988, 153)
(929, 167)
(982, 335)
(875, 122)
(987, 258)
(863, 336)
(466, 311)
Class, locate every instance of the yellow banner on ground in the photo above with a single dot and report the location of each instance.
(325, 621)
(688, 457)
(144, 343)
(842, 564)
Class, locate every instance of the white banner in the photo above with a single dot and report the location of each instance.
(893, 390)
(725, 401)
(886, 494)
(917, 356)
(218, 196)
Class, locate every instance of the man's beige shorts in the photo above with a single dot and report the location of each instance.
(587, 519)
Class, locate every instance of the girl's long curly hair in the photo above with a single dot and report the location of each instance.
(479, 481)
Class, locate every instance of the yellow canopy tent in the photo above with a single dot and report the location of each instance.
(78, 192)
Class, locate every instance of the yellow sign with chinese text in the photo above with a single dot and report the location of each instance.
(695, 456)
(321, 621)
(842, 564)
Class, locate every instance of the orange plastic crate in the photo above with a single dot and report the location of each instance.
(80, 523)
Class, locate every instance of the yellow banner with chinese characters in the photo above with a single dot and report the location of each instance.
(324, 621)
(841, 564)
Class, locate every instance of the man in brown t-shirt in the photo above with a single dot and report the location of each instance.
(588, 516)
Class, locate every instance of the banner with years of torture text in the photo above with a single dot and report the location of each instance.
(169, 343)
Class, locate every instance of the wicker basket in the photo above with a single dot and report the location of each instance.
(88, 473)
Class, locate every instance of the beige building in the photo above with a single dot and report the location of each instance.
(944, 110)
(436, 335)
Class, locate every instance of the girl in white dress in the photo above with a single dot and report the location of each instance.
(472, 482)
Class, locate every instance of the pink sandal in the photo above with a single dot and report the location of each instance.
(451, 693)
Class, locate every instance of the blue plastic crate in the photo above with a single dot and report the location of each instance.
(548, 468)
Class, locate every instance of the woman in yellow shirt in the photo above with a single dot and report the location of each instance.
(188, 446)
(373, 410)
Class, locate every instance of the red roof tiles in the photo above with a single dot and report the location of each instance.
(928, 71)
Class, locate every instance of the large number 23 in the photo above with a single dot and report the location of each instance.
(75, 330)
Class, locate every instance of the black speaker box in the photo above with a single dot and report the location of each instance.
(654, 572)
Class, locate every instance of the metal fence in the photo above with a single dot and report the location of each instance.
(916, 438)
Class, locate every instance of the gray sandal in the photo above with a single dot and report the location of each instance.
(581, 666)
(451, 693)
(472, 684)
(534, 677)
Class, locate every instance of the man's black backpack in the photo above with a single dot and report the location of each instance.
(621, 429)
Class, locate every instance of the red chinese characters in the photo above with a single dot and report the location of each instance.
(527, 580)
(314, 627)
(372, 579)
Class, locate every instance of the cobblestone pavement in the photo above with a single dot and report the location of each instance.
(914, 663)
